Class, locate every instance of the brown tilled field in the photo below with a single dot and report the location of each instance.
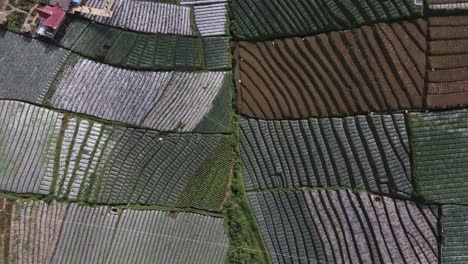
(447, 72)
(374, 68)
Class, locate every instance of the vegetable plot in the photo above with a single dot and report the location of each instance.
(145, 16)
(345, 227)
(55, 232)
(132, 49)
(79, 158)
(170, 101)
(362, 152)
(440, 146)
(266, 19)
(376, 68)
(27, 67)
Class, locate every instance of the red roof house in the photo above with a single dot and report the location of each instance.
(51, 16)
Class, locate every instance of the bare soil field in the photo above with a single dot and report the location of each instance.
(375, 68)
(447, 73)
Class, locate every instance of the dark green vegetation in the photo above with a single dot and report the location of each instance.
(246, 243)
(27, 67)
(361, 152)
(440, 146)
(14, 20)
(133, 50)
(266, 19)
(455, 232)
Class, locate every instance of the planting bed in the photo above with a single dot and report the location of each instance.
(211, 19)
(440, 147)
(363, 152)
(67, 233)
(27, 67)
(374, 68)
(345, 227)
(146, 16)
(455, 230)
(132, 49)
(447, 71)
(170, 101)
(88, 160)
(217, 55)
(28, 137)
(266, 19)
(34, 231)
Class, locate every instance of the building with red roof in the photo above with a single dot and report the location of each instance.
(51, 18)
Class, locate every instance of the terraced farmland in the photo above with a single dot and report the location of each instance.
(211, 19)
(376, 68)
(28, 137)
(264, 19)
(92, 161)
(27, 67)
(345, 227)
(440, 141)
(133, 50)
(145, 16)
(62, 233)
(216, 57)
(170, 101)
(34, 231)
(447, 71)
(455, 231)
(448, 5)
(363, 152)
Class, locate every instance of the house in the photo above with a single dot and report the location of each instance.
(51, 18)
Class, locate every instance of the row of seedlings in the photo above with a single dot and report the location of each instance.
(345, 227)
(263, 20)
(40, 232)
(170, 101)
(47, 152)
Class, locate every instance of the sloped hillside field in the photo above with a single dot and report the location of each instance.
(440, 149)
(145, 16)
(375, 68)
(345, 227)
(132, 49)
(27, 67)
(170, 101)
(56, 232)
(455, 229)
(265, 19)
(77, 158)
(363, 152)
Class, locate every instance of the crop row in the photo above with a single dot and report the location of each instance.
(374, 68)
(171, 101)
(39, 232)
(440, 142)
(145, 16)
(384, 67)
(266, 19)
(447, 69)
(27, 67)
(315, 226)
(211, 19)
(131, 49)
(420, 154)
(448, 5)
(363, 152)
(47, 152)
(455, 230)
